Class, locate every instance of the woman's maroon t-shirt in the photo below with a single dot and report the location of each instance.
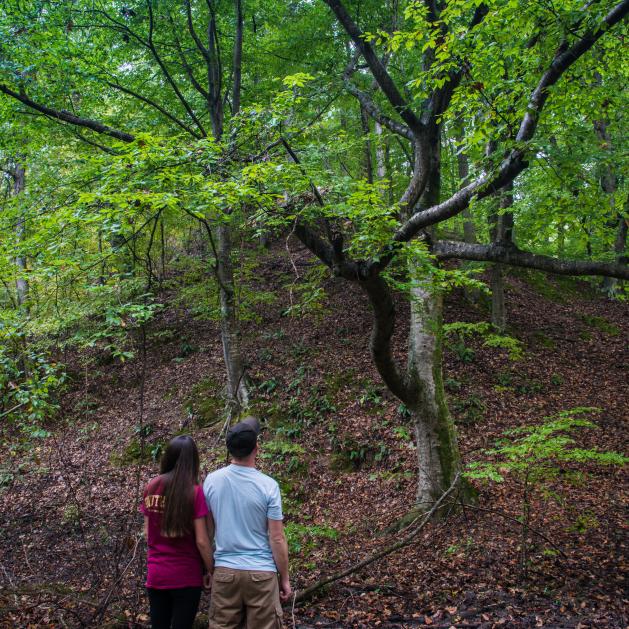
(173, 562)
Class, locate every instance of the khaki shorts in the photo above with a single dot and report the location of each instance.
(245, 598)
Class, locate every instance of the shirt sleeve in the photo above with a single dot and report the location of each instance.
(142, 508)
(200, 507)
(274, 507)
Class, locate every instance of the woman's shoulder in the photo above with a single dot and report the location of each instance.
(154, 486)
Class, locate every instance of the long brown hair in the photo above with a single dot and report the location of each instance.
(180, 474)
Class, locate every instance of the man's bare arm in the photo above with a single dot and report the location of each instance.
(279, 548)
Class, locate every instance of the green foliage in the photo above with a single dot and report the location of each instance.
(538, 452)
(469, 410)
(304, 538)
(289, 455)
(352, 453)
(460, 330)
(205, 404)
(535, 456)
(30, 382)
(600, 323)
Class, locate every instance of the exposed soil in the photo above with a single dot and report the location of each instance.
(70, 553)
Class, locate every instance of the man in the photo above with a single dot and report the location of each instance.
(250, 545)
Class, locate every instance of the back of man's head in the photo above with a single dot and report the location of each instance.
(242, 438)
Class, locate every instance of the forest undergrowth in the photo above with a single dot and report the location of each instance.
(341, 446)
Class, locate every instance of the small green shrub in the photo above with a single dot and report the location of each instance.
(536, 455)
(457, 332)
(205, 404)
(601, 324)
(304, 538)
(556, 379)
(30, 383)
(290, 455)
(469, 410)
(451, 384)
(584, 522)
(71, 515)
(371, 395)
(542, 339)
(351, 454)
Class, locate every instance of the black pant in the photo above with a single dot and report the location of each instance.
(173, 609)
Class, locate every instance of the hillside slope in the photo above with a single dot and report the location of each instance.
(70, 554)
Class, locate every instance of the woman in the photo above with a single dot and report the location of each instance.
(178, 544)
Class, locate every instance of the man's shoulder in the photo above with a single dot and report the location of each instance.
(266, 480)
(215, 475)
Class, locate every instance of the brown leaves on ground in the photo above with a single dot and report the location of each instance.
(70, 554)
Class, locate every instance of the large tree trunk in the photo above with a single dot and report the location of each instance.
(438, 458)
(21, 283)
(437, 450)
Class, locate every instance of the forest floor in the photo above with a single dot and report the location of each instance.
(70, 551)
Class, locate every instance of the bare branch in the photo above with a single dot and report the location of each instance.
(371, 108)
(156, 106)
(378, 70)
(184, 61)
(401, 543)
(167, 75)
(511, 255)
(66, 116)
(204, 51)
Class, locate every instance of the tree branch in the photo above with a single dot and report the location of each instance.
(167, 75)
(378, 70)
(371, 108)
(515, 163)
(511, 255)
(184, 61)
(66, 116)
(380, 343)
(204, 51)
(155, 105)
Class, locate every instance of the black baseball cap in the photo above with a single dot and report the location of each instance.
(242, 437)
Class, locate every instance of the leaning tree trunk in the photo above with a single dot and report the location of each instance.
(21, 283)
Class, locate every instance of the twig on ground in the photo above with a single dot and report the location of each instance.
(405, 541)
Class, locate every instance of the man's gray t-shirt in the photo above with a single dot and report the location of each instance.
(241, 500)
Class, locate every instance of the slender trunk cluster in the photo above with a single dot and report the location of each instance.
(21, 283)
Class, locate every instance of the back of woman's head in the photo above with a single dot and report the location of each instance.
(180, 473)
